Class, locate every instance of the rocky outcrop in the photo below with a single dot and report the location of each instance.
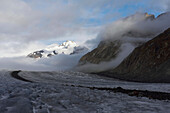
(36, 54)
(149, 62)
(149, 16)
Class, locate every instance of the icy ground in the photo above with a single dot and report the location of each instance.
(52, 92)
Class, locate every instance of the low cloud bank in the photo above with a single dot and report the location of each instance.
(126, 49)
(55, 63)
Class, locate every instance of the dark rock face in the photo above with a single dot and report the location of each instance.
(105, 51)
(36, 54)
(78, 50)
(149, 62)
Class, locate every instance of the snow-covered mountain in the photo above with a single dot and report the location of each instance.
(68, 48)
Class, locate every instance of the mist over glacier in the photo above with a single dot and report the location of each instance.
(55, 63)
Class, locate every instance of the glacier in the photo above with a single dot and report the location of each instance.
(53, 92)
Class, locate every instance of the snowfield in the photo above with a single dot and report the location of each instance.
(59, 92)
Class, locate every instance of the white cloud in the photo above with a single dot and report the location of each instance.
(16, 16)
(14, 49)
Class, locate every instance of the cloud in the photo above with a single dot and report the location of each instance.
(14, 49)
(135, 26)
(16, 16)
(163, 5)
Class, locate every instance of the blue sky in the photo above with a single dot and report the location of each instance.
(33, 23)
(106, 8)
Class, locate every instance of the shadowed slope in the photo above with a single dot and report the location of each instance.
(148, 63)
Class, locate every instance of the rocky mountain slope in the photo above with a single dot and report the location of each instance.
(109, 49)
(68, 48)
(121, 38)
(102, 53)
(149, 62)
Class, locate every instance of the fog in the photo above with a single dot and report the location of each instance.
(126, 50)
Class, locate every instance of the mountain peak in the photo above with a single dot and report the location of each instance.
(69, 43)
(149, 16)
(68, 48)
